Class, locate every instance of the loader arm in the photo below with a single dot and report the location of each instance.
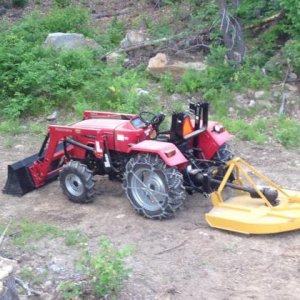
(58, 147)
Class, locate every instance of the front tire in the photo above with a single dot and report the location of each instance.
(155, 190)
(77, 182)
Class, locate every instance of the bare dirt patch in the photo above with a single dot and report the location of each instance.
(182, 258)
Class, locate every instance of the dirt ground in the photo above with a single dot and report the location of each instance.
(182, 258)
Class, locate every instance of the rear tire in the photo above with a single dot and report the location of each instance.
(155, 190)
(77, 182)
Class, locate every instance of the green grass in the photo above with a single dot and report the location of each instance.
(25, 233)
(12, 127)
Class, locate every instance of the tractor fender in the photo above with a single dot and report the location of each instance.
(168, 152)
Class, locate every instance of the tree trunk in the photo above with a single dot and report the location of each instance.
(232, 32)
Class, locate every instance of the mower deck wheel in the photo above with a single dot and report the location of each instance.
(77, 182)
(155, 190)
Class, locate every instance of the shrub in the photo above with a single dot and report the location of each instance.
(62, 3)
(292, 8)
(69, 19)
(287, 133)
(292, 52)
(33, 80)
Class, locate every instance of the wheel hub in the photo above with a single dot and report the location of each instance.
(148, 189)
(74, 185)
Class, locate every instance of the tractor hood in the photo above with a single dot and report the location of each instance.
(95, 124)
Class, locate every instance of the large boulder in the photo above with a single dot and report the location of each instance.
(69, 41)
(161, 64)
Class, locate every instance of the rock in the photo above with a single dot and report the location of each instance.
(133, 38)
(231, 110)
(19, 147)
(276, 94)
(240, 98)
(8, 289)
(48, 284)
(252, 103)
(176, 97)
(292, 88)
(265, 103)
(120, 216)
(259, 94)
(141, 92)
(292, 77)
(55, 268)
(53, 116)
(3, 11)
(113, 58)
(68, 41)
(160, 64)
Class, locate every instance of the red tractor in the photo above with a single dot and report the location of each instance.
(156, 167)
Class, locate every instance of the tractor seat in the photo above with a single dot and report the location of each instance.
(181, 126)
(163, 138)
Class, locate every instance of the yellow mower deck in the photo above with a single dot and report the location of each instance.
(244, 214)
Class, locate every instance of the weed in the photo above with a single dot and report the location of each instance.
(158, 29)
(27, 274)
(254, 131)
(70, 290)
(38, 128)
(106, 270)
(30, 276)
(168, 83)
(10, 142)
(74, 237)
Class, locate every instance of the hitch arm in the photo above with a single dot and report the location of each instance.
(270, 194)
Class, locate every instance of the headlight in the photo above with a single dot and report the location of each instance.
(218, 128)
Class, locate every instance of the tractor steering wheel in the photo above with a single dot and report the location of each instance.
(150, 118)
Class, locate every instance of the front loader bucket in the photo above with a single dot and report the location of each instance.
(19, 180)
(245, 214)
